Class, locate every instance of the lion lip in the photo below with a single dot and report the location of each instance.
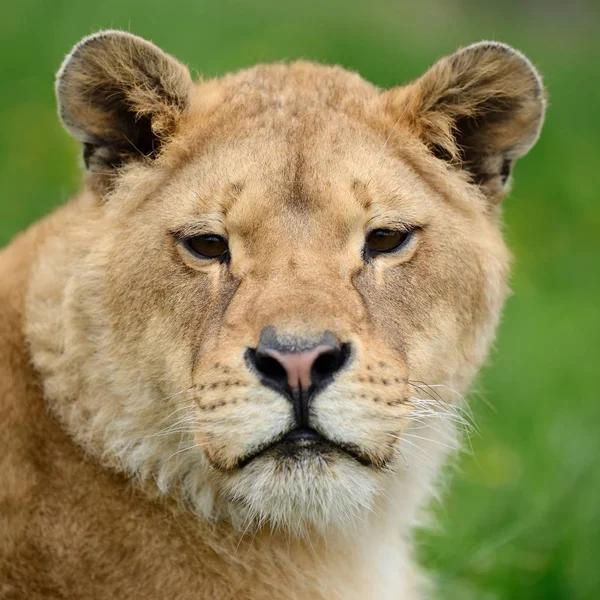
(303, 437)
(303, 434)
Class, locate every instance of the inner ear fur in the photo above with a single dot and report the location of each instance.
(121, 97)
(480, 109)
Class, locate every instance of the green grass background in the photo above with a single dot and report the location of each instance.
(520, 518)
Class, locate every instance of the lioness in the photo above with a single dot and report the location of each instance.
(232, 365)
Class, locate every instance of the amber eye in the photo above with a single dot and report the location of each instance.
(386, 240)
(207, 246)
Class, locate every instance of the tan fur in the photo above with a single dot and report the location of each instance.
(126, 401)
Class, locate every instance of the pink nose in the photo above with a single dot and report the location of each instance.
(296, 363)
(299, 366)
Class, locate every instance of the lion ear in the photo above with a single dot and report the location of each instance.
(481, 109)
(121, 96)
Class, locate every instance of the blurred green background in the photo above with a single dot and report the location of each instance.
(521, 516)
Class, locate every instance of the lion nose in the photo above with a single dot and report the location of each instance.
(302, 369)
(299, 363)
(297, 366)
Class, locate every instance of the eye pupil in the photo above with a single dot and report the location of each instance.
(207, 246)
(386, 240)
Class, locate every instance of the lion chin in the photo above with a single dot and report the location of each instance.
(302, 487)
(234, 364)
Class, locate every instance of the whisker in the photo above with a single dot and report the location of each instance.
(167, 398)
(419, 437)
(424, 425)
(185, 423)
(167, 433)
(443, 415)
(457, 413)
(423, 462)
(424, 408)
(416, 456)
(431, 388)
(249, 522)
(182, 450)
(425, 385)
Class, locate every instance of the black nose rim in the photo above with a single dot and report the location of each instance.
(273, 374)
(270, 370)
(328, 364)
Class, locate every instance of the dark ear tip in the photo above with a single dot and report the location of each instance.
(91, 40)
(72, 57)
(120, 96)
(507, 52)
(113, 59)
(490, 45)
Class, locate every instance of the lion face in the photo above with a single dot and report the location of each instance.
(258, 310)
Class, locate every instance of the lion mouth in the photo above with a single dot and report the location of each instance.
(302, 444)
(303, 434)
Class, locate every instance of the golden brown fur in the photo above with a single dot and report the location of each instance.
(126, 401)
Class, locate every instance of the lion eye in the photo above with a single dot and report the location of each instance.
(386, 240)
(207, 246)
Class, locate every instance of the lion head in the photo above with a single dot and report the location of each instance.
(272, 278)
